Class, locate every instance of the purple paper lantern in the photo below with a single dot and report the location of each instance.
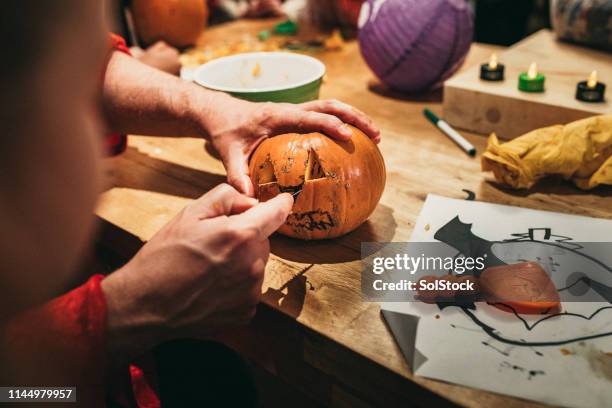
(414, 45)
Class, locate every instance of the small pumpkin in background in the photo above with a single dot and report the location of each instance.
(177, 22)
(336, 184)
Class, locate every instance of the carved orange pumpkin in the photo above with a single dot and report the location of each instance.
(336, 185)
(177, 22)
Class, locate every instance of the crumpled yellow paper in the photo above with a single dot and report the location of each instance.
(580, 151)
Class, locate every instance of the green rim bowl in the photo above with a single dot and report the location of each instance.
(264, 76)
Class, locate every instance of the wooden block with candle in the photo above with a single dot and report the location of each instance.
(482, 106)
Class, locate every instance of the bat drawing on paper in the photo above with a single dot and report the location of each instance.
(496, 340)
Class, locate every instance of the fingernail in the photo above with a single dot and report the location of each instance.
(246, 188)
(345, 131)
(290, 196)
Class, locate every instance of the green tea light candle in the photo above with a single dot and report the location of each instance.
(532, 80)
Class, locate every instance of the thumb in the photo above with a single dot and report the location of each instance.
(266, 217)
(221, 200)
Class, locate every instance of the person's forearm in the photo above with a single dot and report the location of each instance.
(138, 99)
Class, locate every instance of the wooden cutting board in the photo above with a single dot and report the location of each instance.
(484, 107)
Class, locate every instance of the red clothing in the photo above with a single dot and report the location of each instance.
(118, 44)
(117, 143)
(348, 11)
(63, 344)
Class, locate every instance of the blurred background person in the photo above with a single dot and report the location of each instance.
(159, 55)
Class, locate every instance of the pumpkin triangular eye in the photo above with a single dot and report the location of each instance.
(313, 167)
(266, 172)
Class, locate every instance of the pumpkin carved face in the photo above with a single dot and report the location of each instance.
(335, 184)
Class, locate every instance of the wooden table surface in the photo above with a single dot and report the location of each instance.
(313, 331)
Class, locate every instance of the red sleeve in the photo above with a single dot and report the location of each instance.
(118, 44)
(117, 143)
(62, 344)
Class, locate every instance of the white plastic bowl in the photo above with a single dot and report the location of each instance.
(264, 76)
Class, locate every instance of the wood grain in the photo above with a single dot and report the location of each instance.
(484, 107)
(313, 330)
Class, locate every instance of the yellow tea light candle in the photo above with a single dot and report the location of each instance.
(592, 82)
(493, 71)
(532, 80)
(591, 90)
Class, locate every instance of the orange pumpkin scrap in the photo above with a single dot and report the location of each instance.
(336, 184)
(523, 287)
(177, 22)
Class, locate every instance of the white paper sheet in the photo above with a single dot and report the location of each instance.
(452, 345)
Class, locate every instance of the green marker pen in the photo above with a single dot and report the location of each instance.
(450, 132)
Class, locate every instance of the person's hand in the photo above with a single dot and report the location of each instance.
(240, 126)
(162, 56)
(264, 8)
(199, 274)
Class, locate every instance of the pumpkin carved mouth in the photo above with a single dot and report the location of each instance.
(268, 181)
